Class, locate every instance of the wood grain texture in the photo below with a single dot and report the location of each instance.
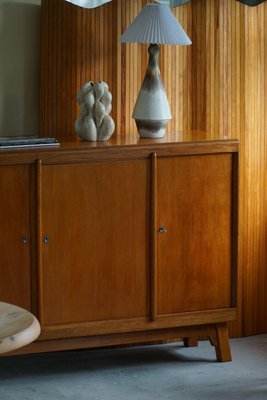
(15, 236)
(75, 46)
(96, 215)
(78, 45)
(18, 326)
(80, 329)
(196, 273)
(174, 334)
(234, 62)
(103, 207)
(223, 350)
(218, 85)
(153, 236)
(38, 276)
(121, 148)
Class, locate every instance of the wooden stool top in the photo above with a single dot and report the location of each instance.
(18, 327)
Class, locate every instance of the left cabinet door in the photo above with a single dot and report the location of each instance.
(15, 238)
(95, 244)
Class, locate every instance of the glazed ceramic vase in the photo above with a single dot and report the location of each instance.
(152, 111)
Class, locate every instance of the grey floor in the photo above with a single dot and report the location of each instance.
(164, 372)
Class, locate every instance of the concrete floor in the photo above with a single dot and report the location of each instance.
(162, 372)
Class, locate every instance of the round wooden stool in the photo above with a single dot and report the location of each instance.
(18, 327)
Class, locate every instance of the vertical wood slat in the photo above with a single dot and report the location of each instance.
(39, 257)
(153, 238)
(264, 278)
(199, 76)
(234, 232)
(117, 51)
(254, 299)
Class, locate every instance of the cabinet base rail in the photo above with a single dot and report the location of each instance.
(217, 334)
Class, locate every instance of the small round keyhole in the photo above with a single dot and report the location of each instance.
(46, 239)
(162, 229)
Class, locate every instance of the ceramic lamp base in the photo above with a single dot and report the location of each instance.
(151, 128)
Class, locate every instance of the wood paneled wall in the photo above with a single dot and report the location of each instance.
(229, 83)
(73, 42)
(219, 84)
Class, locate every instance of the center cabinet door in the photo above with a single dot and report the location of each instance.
(95, 250)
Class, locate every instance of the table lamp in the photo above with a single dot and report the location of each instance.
(155, 24)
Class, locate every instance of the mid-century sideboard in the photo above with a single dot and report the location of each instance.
(122, 242)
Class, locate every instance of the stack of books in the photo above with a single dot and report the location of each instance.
(26, 141)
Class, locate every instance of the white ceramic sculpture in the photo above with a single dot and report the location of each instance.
(94, 122)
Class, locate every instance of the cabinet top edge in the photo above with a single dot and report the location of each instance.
(191, 142)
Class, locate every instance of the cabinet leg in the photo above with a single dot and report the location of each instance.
(222, 347)
(190, 342)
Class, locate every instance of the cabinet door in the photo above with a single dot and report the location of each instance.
(95, 263)
(194, 254)
(15, 235)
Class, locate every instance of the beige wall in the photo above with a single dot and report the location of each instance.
(19, 67)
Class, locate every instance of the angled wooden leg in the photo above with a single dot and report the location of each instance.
(190, 342)
(222, 347)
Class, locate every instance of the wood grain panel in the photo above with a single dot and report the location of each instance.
(194, 206)
(109, 221)
(174, 334)
(77, 46)
(254, 273)
(234, 59)
(15, 225)
(218, 85)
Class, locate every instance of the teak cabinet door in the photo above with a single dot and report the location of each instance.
(95, 242)
(15, 236)
(194, 251)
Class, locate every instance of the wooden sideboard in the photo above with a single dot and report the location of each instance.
(122, 242)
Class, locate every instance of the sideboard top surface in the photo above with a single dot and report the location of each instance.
(120, 147)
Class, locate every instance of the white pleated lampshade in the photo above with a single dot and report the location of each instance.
(173, 3)
(88, 3)
(156, 24)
